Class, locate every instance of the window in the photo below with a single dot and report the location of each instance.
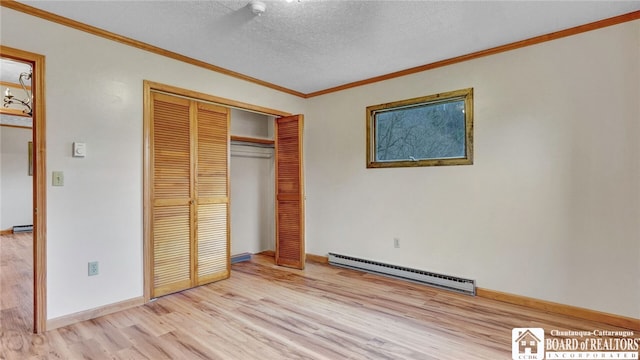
(426, 131)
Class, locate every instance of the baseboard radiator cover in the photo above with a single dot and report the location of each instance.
(240, 258)
(447, 282)
(22, 228)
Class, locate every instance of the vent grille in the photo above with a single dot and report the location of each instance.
(22, 228)
(464, 286)
(240, 258)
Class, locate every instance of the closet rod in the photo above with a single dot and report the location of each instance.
(255, 145)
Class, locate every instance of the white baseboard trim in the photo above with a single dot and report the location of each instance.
(93, 313)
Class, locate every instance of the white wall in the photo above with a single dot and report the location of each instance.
(551, 207)
(15, 184)
(252, 186)
(94, 94)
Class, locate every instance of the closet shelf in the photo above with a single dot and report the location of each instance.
(252, 140)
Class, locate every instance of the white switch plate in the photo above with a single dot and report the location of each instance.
(79, 149)
(58, 178)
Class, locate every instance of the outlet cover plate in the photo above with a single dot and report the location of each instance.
(93, 268)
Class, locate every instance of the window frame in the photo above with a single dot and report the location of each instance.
(464, 94)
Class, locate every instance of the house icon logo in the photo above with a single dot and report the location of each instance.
(527, 343)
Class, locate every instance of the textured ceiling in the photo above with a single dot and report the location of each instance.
(312, 45)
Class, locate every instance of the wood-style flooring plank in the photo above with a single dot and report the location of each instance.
(268, 312)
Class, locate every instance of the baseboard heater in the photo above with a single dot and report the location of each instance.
(464, 286)
(240, 257)
(22, 228)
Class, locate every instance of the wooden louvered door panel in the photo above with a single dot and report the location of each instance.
(212, 191)
(171, 194)
(189, 160)
(289, 192)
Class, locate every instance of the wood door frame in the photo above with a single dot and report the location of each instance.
(39, 183)
(149, 87)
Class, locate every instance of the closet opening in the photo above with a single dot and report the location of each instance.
(260, 207)
(252, 184)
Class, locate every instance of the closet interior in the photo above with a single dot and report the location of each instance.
(252, 183)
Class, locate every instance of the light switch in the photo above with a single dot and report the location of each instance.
(79, 149)
(58, 178)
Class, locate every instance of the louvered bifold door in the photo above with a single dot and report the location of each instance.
(212, 193)
(171, 194)
(289, 192)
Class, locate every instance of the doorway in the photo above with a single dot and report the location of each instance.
(38, 182)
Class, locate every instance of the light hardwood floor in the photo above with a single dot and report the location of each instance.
(16, 284)
(269, 312)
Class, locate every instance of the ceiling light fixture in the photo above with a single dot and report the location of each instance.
(258, 7)
(9, 99)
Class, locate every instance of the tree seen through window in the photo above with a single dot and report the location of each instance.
(421, 132)
(425, 131)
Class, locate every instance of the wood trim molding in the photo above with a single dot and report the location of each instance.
(270, 253)
(6, 232)
(317, 258)
(16, 126)
(12, 4)
(13, 85)
(217, 100)
(556, 308)
(14, 112)
(492, 51)
(39, 182)
(146, 194)
(252, 140)
(93, 313)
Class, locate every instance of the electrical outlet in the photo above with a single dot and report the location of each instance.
(396, 243)
(93, 268)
